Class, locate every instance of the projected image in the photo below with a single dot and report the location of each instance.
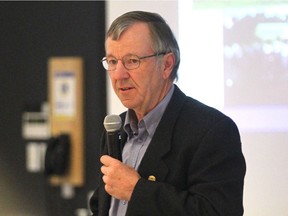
(255, 57)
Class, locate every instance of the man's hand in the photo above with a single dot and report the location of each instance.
(119, 178)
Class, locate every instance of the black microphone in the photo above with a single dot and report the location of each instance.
(112, 124)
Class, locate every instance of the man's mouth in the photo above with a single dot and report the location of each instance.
(125, 88)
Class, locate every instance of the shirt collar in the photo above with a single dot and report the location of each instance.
(151, 120)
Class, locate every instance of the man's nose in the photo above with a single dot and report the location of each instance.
(120, 72)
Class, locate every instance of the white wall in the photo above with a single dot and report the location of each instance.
(263, 125)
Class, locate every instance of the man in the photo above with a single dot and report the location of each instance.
(180, 157)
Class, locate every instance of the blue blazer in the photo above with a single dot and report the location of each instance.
(195, 160)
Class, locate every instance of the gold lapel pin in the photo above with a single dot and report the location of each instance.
(152, 178)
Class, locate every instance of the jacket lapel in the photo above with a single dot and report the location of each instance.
(152, 163)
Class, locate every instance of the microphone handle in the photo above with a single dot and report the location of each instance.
(113, 144)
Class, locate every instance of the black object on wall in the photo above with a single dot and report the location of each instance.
(31, 32)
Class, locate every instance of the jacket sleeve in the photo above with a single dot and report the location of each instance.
(94, 204)
(214, 180)
(99, 202)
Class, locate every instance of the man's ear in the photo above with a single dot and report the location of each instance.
(168, 62)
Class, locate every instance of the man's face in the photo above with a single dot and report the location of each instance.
(140, 89)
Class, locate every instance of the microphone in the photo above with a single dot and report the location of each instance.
(112, 124)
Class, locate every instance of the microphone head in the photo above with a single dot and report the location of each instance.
(112, 123)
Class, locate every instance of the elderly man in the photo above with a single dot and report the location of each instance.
(180, 157)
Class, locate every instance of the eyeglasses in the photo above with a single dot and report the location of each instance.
(130, 62)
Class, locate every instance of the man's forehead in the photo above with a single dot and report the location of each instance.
(136, 36)
(136, 30)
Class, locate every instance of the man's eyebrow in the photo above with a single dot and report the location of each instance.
(128, 54)
(110, 55)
